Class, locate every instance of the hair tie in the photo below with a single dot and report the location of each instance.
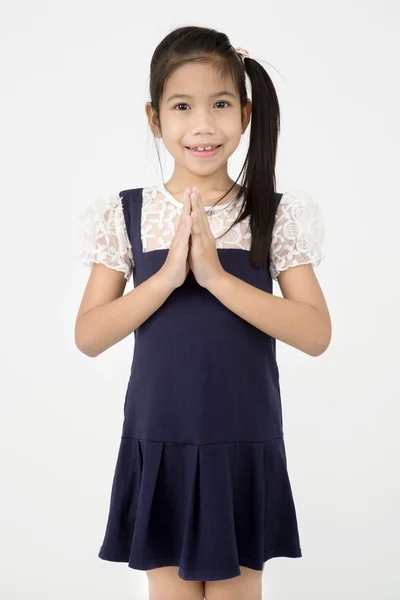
(242, 53)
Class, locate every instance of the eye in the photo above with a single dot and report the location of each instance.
(185, 104)
(182, 104)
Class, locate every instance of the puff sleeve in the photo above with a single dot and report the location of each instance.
(103, 236)
(298, 233)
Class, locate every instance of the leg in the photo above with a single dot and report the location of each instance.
(247, 586)
(165, 584)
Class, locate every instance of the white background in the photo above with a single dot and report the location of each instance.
(73, 87)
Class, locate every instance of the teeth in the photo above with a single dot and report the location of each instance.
(201, 149)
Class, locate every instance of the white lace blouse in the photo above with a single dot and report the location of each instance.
(298, 233)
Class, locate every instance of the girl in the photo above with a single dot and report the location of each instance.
(201, 497)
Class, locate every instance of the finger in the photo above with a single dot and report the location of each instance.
(186, 200)
(197, 200)
(195, 224)
(204, 221)
(196, 229)
(185, 209)
(198, 208)
(186, 203)
(192, 224)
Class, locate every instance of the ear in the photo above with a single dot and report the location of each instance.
(246, 114)
(153, 123)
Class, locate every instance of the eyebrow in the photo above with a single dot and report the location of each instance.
(221, 93)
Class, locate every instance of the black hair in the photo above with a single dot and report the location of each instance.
(201, 44)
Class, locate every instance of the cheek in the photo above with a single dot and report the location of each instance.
(174, 129)
(173, 140)
(231, 126)
(234, 142)
(233, 133)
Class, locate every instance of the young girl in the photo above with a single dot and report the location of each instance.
(201, 497)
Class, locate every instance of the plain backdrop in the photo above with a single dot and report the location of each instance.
(73, 88)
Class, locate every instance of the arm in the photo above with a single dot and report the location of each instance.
(106, 316)
(300, 319)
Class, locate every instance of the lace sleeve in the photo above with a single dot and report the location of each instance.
(103, 237)
(298, 233)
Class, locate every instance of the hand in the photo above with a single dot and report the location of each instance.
(203, 256)
(176, 265)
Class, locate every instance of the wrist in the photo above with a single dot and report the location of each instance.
(220, 278)
(164, 281)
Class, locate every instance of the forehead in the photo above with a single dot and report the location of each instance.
(197, 80)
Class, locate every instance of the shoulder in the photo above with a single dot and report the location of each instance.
(299, 210)
(138, 192)
(131, 192)
(295, 198)
(102, 235)
(148, 194)
(100, 209)
(298, 232)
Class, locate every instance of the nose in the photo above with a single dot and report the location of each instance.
(203, 122)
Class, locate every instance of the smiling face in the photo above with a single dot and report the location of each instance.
(200, 108)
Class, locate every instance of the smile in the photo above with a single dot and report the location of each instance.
(203, 153)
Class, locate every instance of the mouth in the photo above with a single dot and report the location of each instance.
(203, 153)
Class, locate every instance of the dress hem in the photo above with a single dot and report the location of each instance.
(209, 575)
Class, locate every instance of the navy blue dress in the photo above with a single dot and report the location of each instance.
(201, 478)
